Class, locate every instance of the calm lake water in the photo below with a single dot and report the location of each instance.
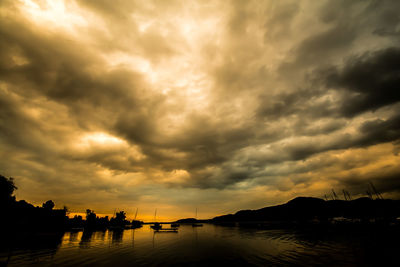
(206, 246)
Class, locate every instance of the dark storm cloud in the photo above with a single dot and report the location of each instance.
(380, 131)
(341, 24)
(371, 81)
(366, 83)
(320, 47)
(387, 19)
(307, 103)
(62, 70)
(371, 132)
(386, 182)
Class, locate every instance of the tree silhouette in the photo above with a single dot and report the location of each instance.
(120, 216)
(119, 219)
(90, 219)
(49, 205)
(90, 214)
(7, 188)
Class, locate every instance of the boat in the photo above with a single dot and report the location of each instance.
(159, 229)
(166, 230)
(156, 226)
(196, 224)
(136, 223)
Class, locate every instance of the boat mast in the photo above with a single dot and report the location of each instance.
(344, 195)
(378, 195)
(334, 194)
(136, 213)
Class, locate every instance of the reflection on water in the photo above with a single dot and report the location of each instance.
(202, 246)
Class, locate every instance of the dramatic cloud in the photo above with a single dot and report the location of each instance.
(371, 81)
(217, 104)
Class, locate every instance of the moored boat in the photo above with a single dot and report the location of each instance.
(156, 226)
(195, 224)
(136, 223)
(166, 230)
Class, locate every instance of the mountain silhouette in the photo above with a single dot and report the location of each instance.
(303, 209)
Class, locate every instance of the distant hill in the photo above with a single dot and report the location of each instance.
(308, 208)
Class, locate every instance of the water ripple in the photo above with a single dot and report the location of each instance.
(208, 245)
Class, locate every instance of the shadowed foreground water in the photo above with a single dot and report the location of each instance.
(205, 246)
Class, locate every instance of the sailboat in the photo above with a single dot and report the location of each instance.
(196, 224)
(156, 226)
(136, 223)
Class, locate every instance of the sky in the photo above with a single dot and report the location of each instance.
(214, 105)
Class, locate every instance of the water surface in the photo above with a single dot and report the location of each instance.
(203, 246)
